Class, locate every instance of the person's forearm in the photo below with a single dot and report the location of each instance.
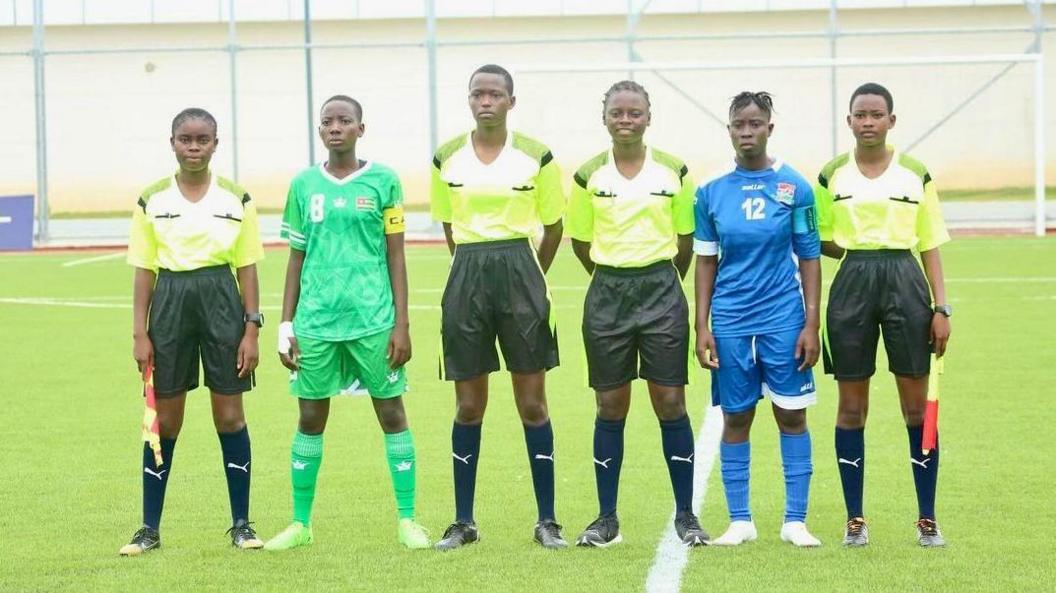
(933, 270)
(250, 287)
(449, 237)
(142, 295)
(582, 251)
(684, 255)
(810, 275)
(397, 261)
(291, 293)
(831, 249)
(704, 285)
(548, 246)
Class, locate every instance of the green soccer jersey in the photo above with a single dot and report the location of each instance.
(341, 224)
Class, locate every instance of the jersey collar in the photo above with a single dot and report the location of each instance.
(346, 180)
(776, 167)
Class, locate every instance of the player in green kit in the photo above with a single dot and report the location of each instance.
(344, 311)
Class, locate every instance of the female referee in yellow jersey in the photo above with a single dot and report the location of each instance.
(630, 217)
(876, 207)
(194, 244)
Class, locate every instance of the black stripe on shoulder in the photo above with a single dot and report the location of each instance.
(436, 162)
(927, 178)
(822, 181)
(245, 198)
(683, 172)
(142, 204)
(579, 180)
(546, 158)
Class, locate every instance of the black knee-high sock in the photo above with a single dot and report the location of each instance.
(677, 437)
(237, 457)
(608, 458)
(465, 452)
(540, 442)
(925, 471)
(850, 459)
(154, 481)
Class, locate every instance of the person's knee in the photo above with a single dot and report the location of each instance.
(669, 406)
(169, 428)
(228, 419)
(391, 415)
(791, 421)
(611, 411)
(312, 420)
(533, 413)
(469, 411)
(851, 417)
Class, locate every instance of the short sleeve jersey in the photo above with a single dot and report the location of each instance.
(631, 223)
(757, 223)
(506, 199)
(172, 233)
(897, 210)
(340, 225)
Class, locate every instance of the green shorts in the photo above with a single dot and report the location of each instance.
(327, 368)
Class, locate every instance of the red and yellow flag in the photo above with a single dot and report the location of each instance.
(151, 429)
(931, 409)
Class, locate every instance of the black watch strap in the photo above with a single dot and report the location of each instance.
(256, 319)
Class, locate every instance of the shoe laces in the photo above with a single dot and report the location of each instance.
(551, 528)
(455, 528)
(928, 527)
(141, 535)
(242, 530)
(856, 525)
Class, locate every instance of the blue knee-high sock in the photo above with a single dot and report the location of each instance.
(154, 481)
(237, 457)
(735, 459)
(798, 467)
(540, 443)
(925, 471)
(465, 452)
(850, 459)
(677, 437)
(608, 458)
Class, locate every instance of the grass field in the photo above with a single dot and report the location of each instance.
(70, 456)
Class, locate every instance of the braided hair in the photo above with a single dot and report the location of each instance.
(762, 99)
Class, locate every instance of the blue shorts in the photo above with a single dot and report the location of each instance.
(753, 366)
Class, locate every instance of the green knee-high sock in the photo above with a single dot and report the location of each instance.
(307, 456)
(399, 449)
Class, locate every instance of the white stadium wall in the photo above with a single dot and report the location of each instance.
(108, 114)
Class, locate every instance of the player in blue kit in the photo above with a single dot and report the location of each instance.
(758, 278)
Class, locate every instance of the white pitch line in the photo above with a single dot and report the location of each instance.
(665, 575)
(93, 259)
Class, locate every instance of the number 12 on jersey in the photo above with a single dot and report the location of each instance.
(753, 208)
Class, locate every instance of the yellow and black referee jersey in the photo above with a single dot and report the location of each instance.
(897, 210)
(172, 233)
(506, 199)
(631, 223)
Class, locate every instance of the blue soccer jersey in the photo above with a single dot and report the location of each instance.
(757, 223)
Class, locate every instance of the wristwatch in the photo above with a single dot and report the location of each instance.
(944, 309)
(256, 319)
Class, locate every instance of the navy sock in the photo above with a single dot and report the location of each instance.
(154, 482)
(608, 458)
(237, 456)
(465, 451)
(925, 471)
(540, 442)
(677, 437)
(850, 459)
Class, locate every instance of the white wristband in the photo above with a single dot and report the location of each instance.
(285, 334)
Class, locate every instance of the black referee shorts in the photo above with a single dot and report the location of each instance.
(197, 314)
(874, 290)
(632, 314)
(496, 289)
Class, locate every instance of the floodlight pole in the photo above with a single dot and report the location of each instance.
(43, 213)
(232, 52)
(308, 80)
(1039, 121)
(834, 31)
(430, 51)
